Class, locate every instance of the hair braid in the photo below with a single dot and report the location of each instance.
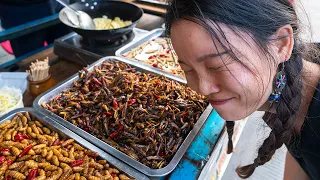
(230, 128)
(281, 123)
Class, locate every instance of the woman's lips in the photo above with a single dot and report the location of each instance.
(218, 102)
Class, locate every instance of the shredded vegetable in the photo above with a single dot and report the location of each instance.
(7, 99)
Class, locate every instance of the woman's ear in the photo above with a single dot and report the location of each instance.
(284, 42)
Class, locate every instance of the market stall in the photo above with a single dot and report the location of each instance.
(165, 131)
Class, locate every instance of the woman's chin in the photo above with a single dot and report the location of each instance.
(229, 116)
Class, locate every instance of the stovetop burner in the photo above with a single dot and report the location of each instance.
(92, 44)
(75, 48)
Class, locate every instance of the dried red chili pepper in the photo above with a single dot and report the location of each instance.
(155, 65)
(76, 162)
(115, 103)
(8, 178)
(168, 51)
(25, 151)
(157, 83)
(114, 134)
(108, 114)
(20, 137)
(120, 127)
(56, 142)
(2, 159)
(86, 129)
(131, 101)
(32, 174)
(9, 162)
(96, 81)
(4, 150)
(113, 175)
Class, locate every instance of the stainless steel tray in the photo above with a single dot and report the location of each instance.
(64, 132)
(46, 96)
(154, 2)
(132, 45)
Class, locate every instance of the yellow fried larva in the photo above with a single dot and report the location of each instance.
(38, 151)
(25, 141)
(95, 165)
(55, 160)
(50, 168)
(66, 174)
(67, 142)
(77, 176)
(25, 157)
(44, 152)
(90, 171)
(93, 178)
(71, 154)
(43, 165)
(16, 165)
(15, 151)
(41, 177)
(31, 152)
(15, 174)
(4, 124)
(97, 174)
(65, 166)
(56, 152)
(38, 123)
(46, 130)
(64, 153)
(56, 135)
(71, 177)
(64, 159)
(40, 130)
(78, 147)
(107, 174)
(116, 178)
(39, 146)
(86, 165)
(3, 132)
(113, 171)
(42, 139)
(8, 135)
(57, 176)
(35, 129)
(3, 168)
(102, 162)
(13, 134)
(49, 156)
(123, 177)
(29, 131)
(83, 178)
(32, 164)
(42, 172)
(77, 169)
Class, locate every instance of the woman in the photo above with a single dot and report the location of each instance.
(246, 55)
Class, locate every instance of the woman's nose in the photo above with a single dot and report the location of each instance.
(207, 85)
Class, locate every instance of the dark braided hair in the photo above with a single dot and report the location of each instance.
(260, 19)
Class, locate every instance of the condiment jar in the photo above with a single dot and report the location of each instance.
(35, 88)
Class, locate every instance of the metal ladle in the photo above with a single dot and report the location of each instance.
(85, 21)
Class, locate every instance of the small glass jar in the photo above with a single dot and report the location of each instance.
(35, 88)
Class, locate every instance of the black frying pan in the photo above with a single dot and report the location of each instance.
(126, 11)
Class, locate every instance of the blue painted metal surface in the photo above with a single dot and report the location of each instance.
(29, 27)
(197, 155)
(9, 63)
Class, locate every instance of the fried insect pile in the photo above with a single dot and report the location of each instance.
(143, 115)
(29, 150)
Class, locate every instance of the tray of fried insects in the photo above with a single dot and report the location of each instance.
(33, 146)
(141, 115)
(155, 51)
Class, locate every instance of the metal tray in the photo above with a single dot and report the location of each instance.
(154, 2)
(132, 45)
(46, 96)
(64, 132)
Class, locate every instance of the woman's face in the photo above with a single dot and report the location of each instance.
(234, 90)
